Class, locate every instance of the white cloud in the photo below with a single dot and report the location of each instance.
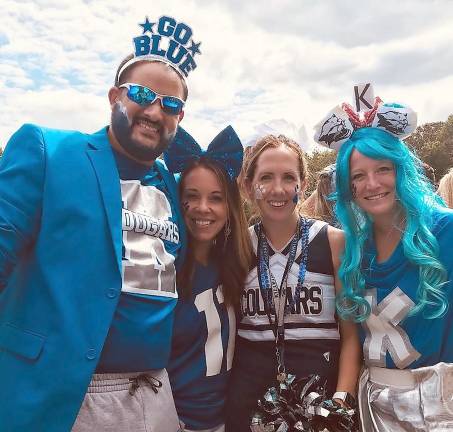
(53, 108)
(289, 59)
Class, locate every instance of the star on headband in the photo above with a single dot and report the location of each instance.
(168, 41)
(339, 124)
(225, 149)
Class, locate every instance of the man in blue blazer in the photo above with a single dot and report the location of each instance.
(89, 232)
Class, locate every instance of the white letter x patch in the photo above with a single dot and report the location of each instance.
(383, 333)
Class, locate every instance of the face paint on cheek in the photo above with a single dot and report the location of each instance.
(353, 190)
(121, 123)
(185, 206)
(296, 196)
(122, 127)
(260, 191)
(122, 108)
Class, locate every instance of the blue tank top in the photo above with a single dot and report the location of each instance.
(392, 338)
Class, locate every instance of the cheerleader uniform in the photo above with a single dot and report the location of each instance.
(312, 339)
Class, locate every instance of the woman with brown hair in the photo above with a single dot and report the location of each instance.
(211, 279)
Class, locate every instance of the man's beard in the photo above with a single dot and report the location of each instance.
(122, 129)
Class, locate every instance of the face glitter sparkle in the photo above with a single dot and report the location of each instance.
(260, 191)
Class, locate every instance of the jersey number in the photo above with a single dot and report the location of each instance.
(214, 347)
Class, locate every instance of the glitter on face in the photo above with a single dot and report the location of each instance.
(354, 190)
(260, 191)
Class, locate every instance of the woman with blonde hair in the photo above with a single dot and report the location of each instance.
(288, 323)
(397, 269)
(445, 189)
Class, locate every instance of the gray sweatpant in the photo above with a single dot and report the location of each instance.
(135, 402)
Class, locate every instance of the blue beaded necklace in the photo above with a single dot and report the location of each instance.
(268, 286)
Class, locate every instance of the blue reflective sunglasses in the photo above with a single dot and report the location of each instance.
(144, 96)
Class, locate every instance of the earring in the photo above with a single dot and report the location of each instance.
(227, 232)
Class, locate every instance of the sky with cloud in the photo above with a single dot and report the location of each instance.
(288, 60)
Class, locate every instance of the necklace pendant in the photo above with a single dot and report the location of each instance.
(281, 377)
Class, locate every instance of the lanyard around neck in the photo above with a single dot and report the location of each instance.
(274, 297)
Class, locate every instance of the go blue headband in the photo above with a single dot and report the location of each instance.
(225, 149)
(166, 40)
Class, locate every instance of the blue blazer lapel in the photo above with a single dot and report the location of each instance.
(100, 154)
(172, 188)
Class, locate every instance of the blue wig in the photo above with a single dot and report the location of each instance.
(417, 199)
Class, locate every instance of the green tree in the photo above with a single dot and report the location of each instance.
(316, 162)
(433, 144)
(445, 153)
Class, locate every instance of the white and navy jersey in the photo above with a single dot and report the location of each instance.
(313, 313)
(312, 340)
(139, 338)
(202, 351)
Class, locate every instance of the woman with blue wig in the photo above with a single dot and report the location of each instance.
(396, 271)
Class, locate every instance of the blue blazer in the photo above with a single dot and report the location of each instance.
(60, 271)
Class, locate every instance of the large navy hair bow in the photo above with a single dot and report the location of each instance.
(225, 149)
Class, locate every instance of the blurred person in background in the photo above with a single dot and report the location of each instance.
(445, 189)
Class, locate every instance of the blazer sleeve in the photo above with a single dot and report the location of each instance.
(22, 172)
